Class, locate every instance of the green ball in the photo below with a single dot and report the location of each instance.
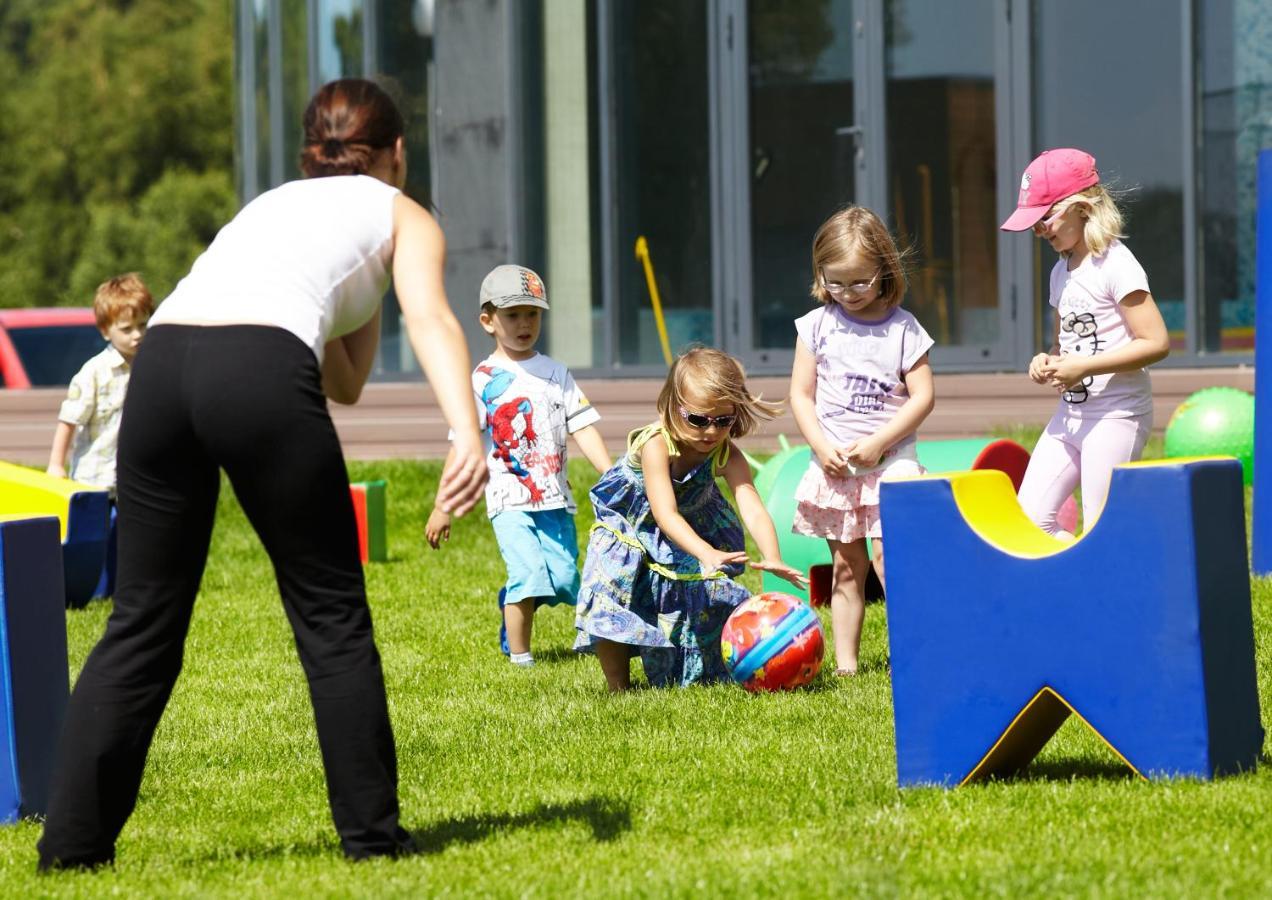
(1215, 421)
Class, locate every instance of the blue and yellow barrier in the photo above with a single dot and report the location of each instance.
(34, 684)
(83, 514)
(1142, 627)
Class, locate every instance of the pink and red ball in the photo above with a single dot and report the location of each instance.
(772, 642)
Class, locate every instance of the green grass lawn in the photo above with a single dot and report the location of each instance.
(538, 783)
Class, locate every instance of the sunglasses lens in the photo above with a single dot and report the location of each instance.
(698, 421)
(724, 421)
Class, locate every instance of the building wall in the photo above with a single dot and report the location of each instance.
(553, 133)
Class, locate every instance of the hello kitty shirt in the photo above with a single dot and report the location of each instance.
(1089, 300)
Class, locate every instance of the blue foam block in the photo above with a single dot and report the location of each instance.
(1143, 627)
(34, 682)
(88, 532)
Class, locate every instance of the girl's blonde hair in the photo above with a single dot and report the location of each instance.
(1103, 220)
(718, 376)
(855, 229)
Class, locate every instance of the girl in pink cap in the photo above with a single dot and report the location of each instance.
(860, 386)
(1107, 330)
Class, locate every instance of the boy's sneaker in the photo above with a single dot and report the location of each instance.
(525, 660)
(503, 631)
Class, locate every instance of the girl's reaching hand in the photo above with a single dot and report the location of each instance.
(782, 570)
(716, 560)
(1037, 366)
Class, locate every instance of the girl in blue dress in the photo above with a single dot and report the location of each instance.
(656, 581)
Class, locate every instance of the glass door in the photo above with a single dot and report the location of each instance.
(906, 107)
(803, 146)
(944, 64)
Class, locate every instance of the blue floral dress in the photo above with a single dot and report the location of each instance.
(641, 589)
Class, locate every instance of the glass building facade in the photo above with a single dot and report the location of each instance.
(556, 133)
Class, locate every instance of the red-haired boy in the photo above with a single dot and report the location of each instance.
(88, 422)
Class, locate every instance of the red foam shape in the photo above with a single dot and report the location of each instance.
(359, 495)
(1005, 456)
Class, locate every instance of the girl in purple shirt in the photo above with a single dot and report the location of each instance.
(860, 386)
(1107, 330)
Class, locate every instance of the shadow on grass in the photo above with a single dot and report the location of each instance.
(1077, 770)
(558, 655)
(607, 818)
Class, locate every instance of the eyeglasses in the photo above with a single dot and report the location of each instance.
(698, 420)
(861, 288)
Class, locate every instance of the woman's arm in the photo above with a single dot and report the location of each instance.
(1150, 343)
(347, 361)
(655, 462)
(438, 342)
(918, 383)
(804, 409)
(592, 446)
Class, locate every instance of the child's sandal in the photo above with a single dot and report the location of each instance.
(845, 673)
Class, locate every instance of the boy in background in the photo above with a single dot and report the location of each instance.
(88, 421)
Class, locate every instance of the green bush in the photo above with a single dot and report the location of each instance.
(117, 127)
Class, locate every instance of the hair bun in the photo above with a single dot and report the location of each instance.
(345, 123)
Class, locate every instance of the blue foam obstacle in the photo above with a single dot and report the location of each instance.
(34, 684)
(84, 513)
(1142, 627)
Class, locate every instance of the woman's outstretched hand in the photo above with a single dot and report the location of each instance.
(783, 571)
(464, 478)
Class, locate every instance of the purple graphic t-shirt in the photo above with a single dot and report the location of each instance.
(861, 368)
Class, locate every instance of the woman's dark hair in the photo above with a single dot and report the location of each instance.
(345, 123)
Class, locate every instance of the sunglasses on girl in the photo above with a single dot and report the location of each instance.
(1048, 223)
(698, 420)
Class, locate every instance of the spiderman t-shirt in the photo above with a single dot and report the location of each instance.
(527, 410)
(1089, 302)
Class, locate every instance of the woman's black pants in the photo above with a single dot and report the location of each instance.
(247, 399)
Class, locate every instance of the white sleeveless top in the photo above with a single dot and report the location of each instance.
(311, 256)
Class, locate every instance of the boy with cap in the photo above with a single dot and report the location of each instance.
(528, 403)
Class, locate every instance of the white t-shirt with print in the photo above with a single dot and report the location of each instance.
(1089, 301)
(526, 410)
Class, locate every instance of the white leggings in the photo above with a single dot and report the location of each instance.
(1071, 449)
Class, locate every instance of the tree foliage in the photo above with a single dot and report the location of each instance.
(117, 128)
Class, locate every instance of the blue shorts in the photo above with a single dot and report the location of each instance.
(541, 550)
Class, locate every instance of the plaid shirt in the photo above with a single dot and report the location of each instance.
(94, 404)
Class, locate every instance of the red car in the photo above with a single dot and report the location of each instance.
(46, 347)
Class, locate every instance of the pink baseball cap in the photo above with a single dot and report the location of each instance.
(1054, 175)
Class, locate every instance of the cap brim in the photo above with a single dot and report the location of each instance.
(527, 300)
(1024, 218)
